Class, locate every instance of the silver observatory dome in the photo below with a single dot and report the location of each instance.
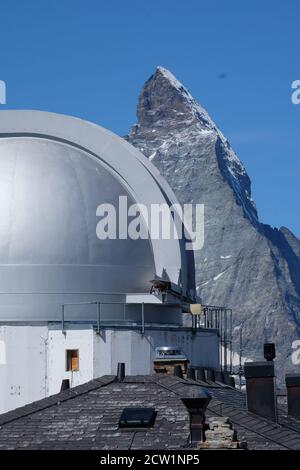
(54, 173)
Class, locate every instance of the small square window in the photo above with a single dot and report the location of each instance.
(72, 360)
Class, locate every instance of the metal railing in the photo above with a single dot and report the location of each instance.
(220, 318)
(211, 317)
(98, 305)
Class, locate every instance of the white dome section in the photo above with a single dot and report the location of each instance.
(49, 194)
(55, 171)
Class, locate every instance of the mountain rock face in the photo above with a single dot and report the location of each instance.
(244, 264)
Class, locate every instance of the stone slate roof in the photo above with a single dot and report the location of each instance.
(87, 416)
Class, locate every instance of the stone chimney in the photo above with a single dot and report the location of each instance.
(293, 394)
(260, 386)
(196, 403)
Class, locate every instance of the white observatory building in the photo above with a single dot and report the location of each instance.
(72, 305)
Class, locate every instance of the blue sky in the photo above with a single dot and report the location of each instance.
(89, 58)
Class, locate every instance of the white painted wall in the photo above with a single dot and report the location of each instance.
(103, 353)
(138, 351)
(22, 365)
(33, 358)
(79, 337)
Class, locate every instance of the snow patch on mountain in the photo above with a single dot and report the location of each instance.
(261, 282)
(219, 275)
(232, 167)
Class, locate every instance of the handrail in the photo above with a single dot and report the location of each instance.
(220, 318)
(213, 317)
(99, 303)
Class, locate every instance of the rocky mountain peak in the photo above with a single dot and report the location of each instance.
(163, 98)
(244, 264)
(168, 115)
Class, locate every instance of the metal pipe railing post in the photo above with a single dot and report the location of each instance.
(143, 318)
(98, 317)
(63, 319)
(225, 339)
(240, 354)
(222, 337)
